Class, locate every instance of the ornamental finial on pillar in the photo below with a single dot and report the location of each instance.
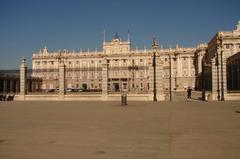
(154, 45)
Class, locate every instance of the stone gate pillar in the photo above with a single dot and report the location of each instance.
(23, 79)
(104, 78)
(61, 81)
(214, 79)
(159, 79)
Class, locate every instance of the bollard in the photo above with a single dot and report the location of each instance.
(123, 99)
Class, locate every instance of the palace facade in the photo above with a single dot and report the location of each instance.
(128, 69)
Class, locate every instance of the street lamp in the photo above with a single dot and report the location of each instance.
(154, 47)
(61, 64)
(220, 44)
(170, 77)
(203, 79)
(221, 47)
(217, 63)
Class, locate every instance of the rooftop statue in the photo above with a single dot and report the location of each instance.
(238, 26)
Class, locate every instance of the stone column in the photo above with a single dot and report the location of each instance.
(17, 86)
(189, 66)
(233, 80)
(5, 86)
(29, 85)
(61, 80)
(104, 78)
(33, 86)
(159, 79)
(238, 75)
(11, 86)
(179, 72)
(39, 86)
(23, 79)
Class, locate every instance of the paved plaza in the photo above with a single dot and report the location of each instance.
(106, 130)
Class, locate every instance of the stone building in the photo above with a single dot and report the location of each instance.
(128, 69)
(10, 82)
(221, 49)
(233, 72)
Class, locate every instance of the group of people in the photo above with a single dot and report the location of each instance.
(6, 97)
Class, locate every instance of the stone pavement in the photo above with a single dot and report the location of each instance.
(182, 95)
(105, 130)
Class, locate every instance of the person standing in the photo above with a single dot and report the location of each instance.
(189, 93)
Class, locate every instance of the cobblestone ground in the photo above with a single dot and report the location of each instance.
(106, 130)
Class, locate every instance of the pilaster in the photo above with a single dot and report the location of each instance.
(150, 73)
(159, 79)
(179, 65)
(62, 91)
(189, 66)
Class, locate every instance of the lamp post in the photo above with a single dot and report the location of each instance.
(222, 84)
(62, 73)
(170, 77)
(203, 80)
(220, 44)
(154, 47)
(217, 63)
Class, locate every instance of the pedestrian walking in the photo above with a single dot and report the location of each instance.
(189, 93)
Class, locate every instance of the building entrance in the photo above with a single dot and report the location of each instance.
(124, 86)
(116, 87)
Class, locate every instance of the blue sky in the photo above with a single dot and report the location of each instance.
(28, 25)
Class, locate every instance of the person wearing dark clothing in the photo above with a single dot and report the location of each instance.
(189, 93)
